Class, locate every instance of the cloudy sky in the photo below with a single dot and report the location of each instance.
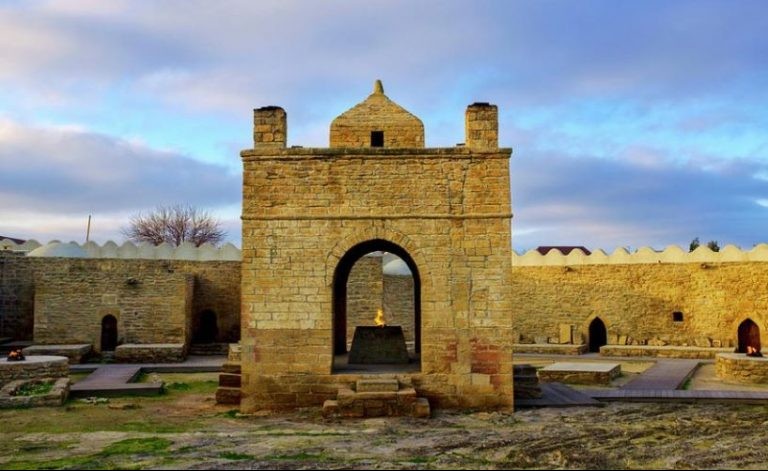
(633, 123)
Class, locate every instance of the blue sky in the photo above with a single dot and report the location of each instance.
(633, 123)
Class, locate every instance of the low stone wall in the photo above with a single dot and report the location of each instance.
(695, 353)
(580, 373)
(34, 367)
(741, 368)
(549, 348)
(150, 353)
(56, 397)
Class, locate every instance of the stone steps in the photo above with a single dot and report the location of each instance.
(230, 381)
(383, 397)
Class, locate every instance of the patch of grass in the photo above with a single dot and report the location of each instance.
(130, 446)
(232, 413)
(688, 384)
(231, 455)
(35, 389)
(72, 462)
(297, 457)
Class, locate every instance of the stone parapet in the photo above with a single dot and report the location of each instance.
(34, 367)
(741, 368)
(645, 255)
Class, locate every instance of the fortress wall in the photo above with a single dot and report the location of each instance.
(636, 301)
(216, 287)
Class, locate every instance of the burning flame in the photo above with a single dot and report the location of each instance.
(379, 319)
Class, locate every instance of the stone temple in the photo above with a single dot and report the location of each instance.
(444, 211)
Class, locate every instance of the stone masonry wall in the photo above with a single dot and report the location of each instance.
(636, 302)
(447, 208)
(216, 287)
(398, 303)
(365, 294)
(151, 303)
(17, 295)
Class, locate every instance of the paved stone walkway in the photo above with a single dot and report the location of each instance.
(109, 380)
(664, 375)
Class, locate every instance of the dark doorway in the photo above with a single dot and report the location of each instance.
(207, 328)
(108, 333)
(597, 335)
(749, 336)
(377, 138)
(341, 277)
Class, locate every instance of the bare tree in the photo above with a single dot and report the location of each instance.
(174, 225)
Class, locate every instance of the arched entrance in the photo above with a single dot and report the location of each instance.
(108, 333)
(749, 336)
(341, 277)
(598, 336)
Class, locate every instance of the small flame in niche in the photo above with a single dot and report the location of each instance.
(379, 319)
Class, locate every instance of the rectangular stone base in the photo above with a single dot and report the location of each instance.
(228, 395)
(150, 353)
(580, 373)
(666, 351)
(75, 352)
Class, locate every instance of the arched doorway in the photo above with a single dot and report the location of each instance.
(206, 328)
(108, 333)
(749, 336)
(341, 277)
(598, 336)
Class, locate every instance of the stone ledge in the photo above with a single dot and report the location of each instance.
(34, 367)
(75, 352)
(666, 351)
(549, 348)
(150, 353)
(580, 373)
(741, 368)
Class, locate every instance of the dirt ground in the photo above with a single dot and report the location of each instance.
(185, 429)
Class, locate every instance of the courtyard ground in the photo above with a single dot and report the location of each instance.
(185, 429)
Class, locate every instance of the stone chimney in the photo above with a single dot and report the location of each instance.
(482, 126)
(270, 127)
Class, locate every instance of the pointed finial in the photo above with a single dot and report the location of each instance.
(378, 88)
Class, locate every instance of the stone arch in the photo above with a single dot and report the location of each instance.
(596, 332)
(339, 287)
(372, 233)
(748, 335)
(109, 333)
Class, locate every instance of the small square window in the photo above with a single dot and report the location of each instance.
(377, 138)
(677, 316)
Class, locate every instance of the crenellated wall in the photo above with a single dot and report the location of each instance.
(635, 295)
(216, 283)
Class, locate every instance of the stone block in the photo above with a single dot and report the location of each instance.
(228, 395)
(566, 333)
(150, 353)
(74, 352)
(377, 385)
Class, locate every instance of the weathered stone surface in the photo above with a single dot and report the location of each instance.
(34, 367)
(377, 385)
(75, 353)
(75, 294)
(150, 353)
(741, 368)
(665, 351)
(56, 397)
(580, 373)
(547, 348)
